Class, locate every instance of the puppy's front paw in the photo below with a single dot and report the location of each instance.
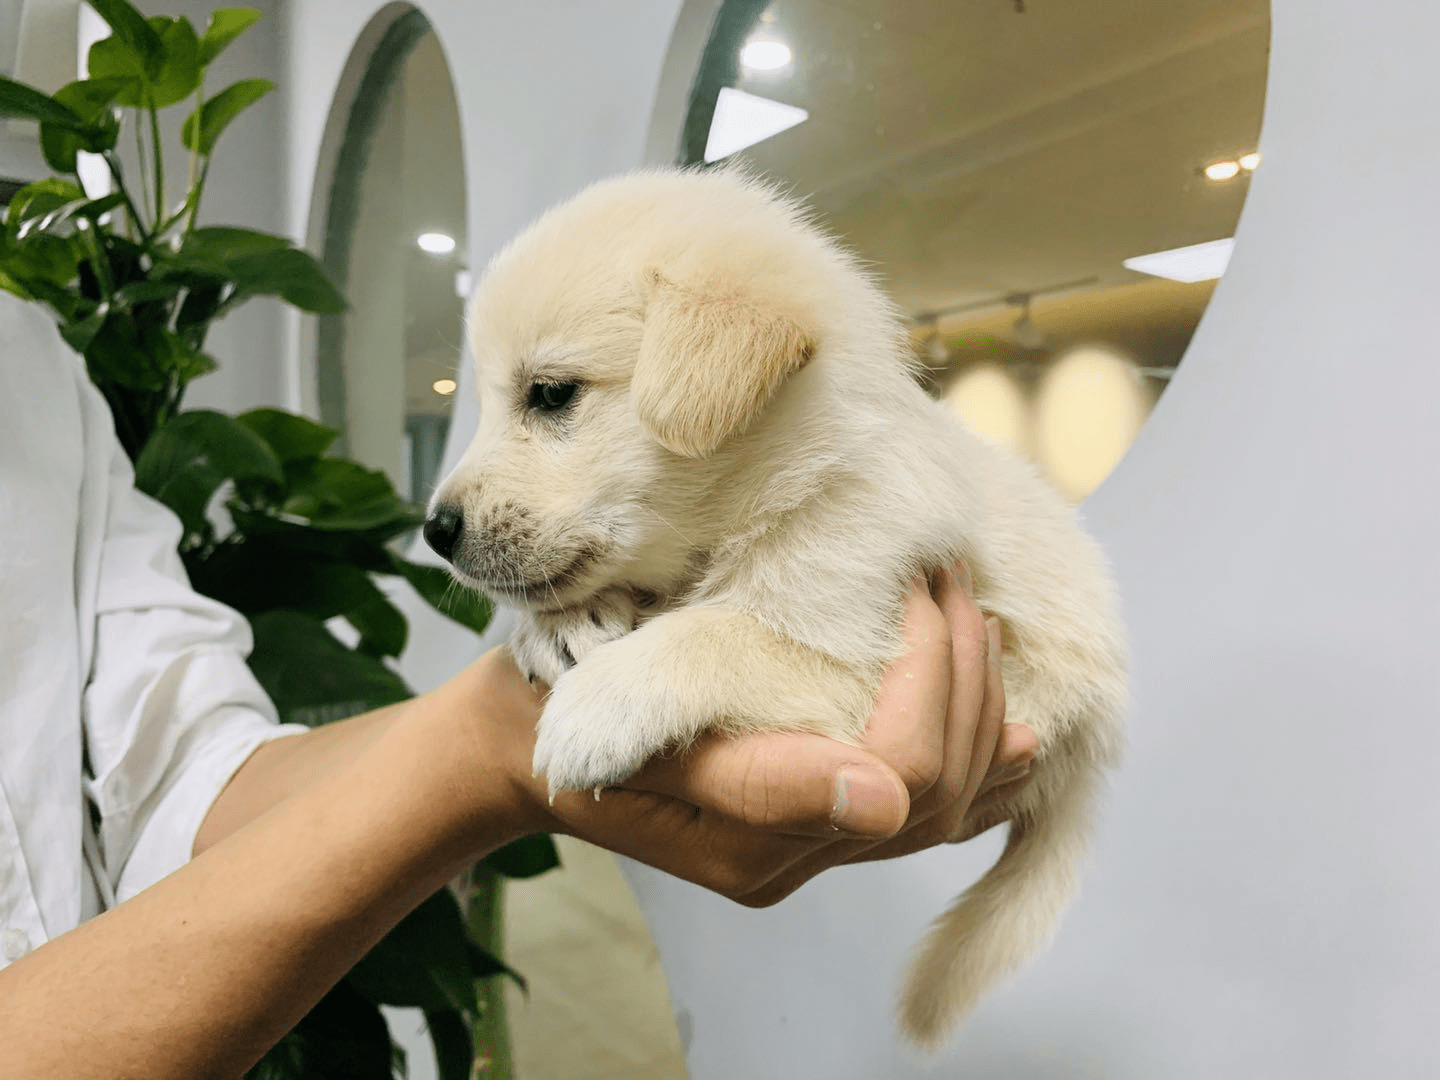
(537, 651)
(596, 730)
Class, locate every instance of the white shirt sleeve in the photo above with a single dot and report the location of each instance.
(170, 708)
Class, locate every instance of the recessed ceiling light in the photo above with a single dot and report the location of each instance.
(1250, 162)
(443, 387)
(764, 55)
(1198, 262)
(436, 243)
(743, 120)
(1222, 170)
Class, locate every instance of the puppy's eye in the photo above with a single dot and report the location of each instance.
(552, 397)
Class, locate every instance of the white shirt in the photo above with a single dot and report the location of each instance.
(123, 693)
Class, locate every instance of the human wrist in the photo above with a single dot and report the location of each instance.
(479, 729)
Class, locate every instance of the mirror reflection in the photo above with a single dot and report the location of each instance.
(396, 237)
(1049, 190)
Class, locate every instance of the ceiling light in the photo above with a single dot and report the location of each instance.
(1250, 162)
(443, 387)
(743, 120)
(764, 55)
(436, 243)
(1025, 332)
(1220, 171)
(936, 352)
(1198, 262)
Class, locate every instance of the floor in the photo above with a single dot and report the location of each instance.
(598, 1007)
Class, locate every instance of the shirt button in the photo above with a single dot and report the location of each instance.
(14, 943)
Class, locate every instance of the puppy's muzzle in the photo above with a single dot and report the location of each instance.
(443, 528)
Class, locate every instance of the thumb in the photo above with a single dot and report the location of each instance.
(804, 785)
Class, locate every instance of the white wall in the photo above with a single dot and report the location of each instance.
(1264, 892)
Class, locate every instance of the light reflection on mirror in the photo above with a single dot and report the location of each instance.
(396, 237)
(999, 164)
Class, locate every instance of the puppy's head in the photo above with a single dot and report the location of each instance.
(626, 345)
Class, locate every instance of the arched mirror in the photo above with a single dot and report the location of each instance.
(394, 238)
(1049, 189)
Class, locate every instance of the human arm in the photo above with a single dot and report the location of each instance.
(325, 840)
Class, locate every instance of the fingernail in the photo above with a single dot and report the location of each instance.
(866, 802)
(962, 575)
(1008, 775)
(992, 631)
(938, 580)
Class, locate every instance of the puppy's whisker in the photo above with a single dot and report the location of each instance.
(670, 525)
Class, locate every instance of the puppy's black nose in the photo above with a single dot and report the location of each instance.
(442, 530)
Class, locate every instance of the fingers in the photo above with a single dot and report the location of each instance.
(1013, 755)
(796, 784)
(971, 721)
(907, 727)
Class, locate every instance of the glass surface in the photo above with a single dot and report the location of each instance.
(998, 163)
(396, 238)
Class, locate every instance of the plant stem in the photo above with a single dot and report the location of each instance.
(193, 197)
(159, 165)
(99, 261)
(144, 177)
(484, 920)
(115, 174)
(195, 194)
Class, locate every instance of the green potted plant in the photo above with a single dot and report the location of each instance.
(273, 526)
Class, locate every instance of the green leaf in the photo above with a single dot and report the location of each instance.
(314, 679)
(129, 354)
(344, 1037)
(225, 26)
(60, 148)
(525, 858)
(139, 292)
(188, 458)
(254, 576)
(26, 103)
(113, 60)
(441, 591)
(151, 79)
(292, 275)
(454, 1048)
(383, 629)
(340, 495)
(34, 201)
(201, 304)
(423, 962)
(180, 73)
(293, 438)
(203, 127)
(79, 333)
(132, 30)
(44, 265)
(291, 539)
(87, 209)
(485, 964)
(90, 98)
(215, 246)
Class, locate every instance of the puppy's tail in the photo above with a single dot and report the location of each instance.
(1004, 917)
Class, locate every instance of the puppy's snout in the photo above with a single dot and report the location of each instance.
(442, 529)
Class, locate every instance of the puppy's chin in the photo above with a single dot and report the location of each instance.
(565, 588)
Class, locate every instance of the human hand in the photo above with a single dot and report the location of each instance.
(754, 818)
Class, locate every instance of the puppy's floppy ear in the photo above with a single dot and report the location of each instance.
(710, 357)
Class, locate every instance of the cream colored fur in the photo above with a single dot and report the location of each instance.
(716, 532)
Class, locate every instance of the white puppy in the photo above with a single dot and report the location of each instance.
(704, 473)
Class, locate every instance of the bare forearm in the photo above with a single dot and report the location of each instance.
(288, 766)
(198, 975)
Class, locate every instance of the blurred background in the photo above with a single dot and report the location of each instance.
(1049, 194)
